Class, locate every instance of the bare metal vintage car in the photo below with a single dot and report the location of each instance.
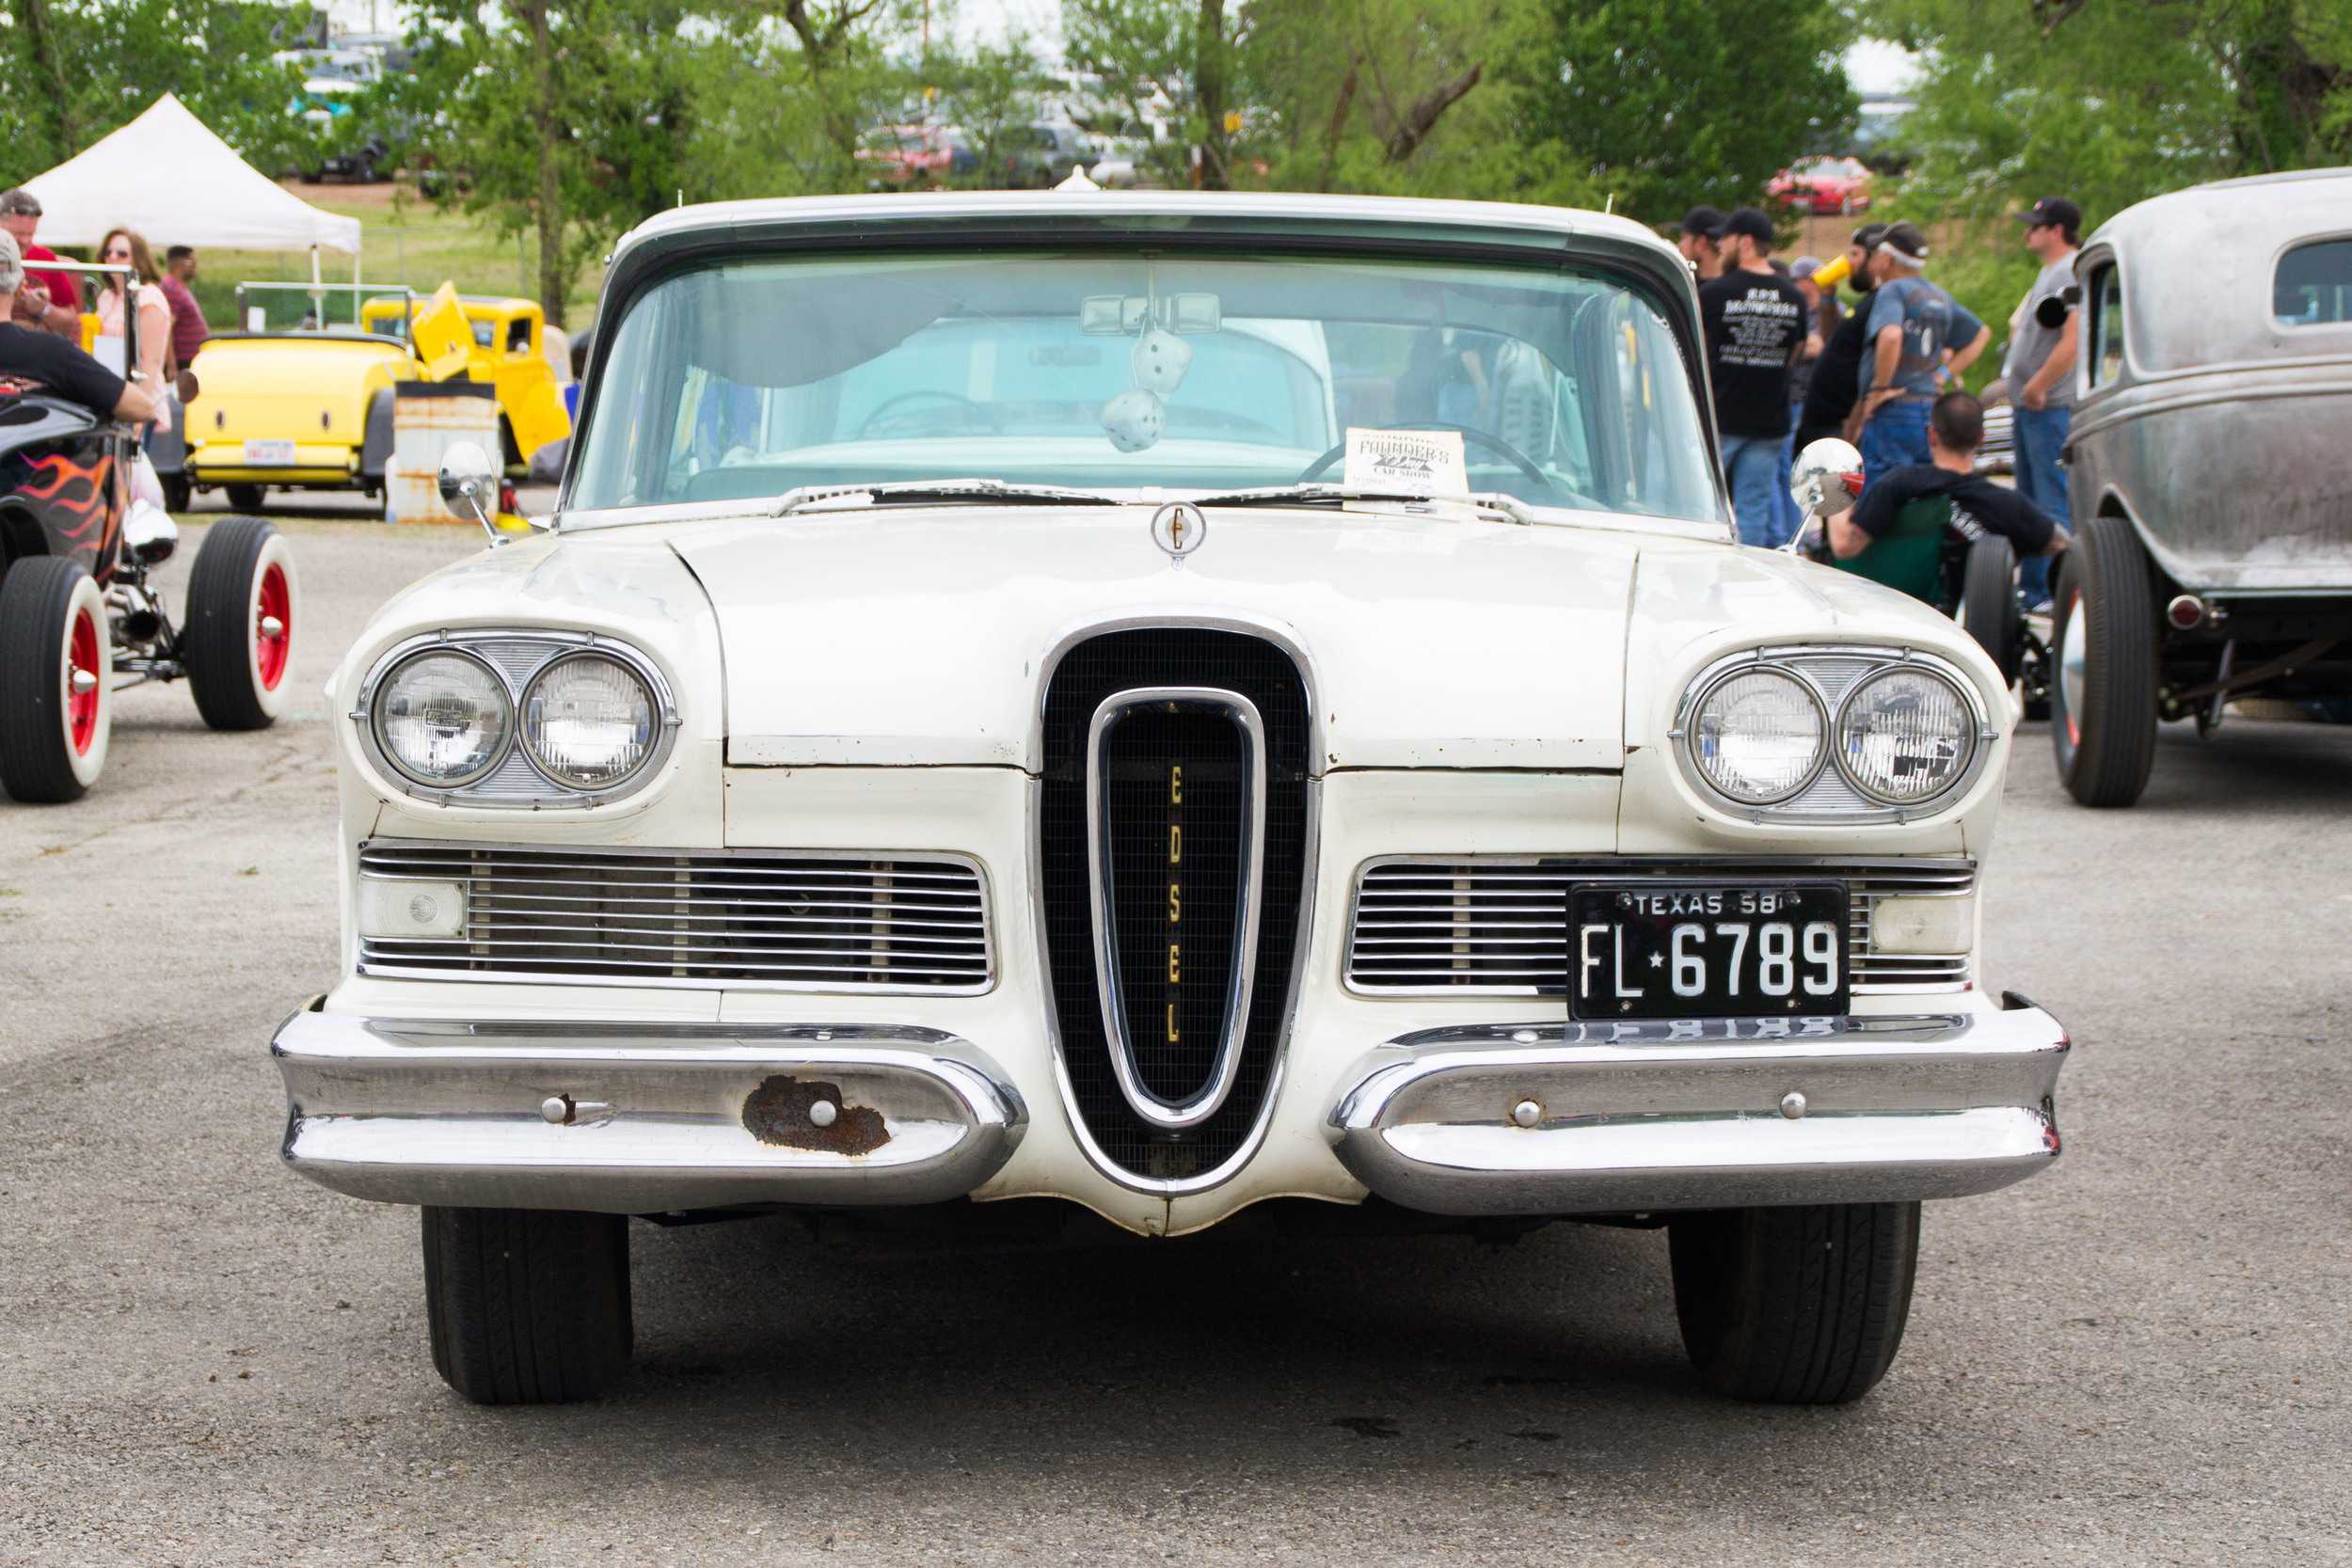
(993, 730)
(2212, 471)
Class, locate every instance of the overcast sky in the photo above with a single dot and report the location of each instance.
(1876, 69)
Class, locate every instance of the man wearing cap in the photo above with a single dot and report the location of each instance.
(2040, 370)
(1754, 322)
(1919, 336)
(1830, 395)
(49, 300)
(1700, 240)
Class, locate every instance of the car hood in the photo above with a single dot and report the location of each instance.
(922, 636)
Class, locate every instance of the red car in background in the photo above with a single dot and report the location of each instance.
(1824, 185)
(898, 156)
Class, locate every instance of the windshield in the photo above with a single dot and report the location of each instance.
(747, 378)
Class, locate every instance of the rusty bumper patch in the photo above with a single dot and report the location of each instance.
(782, 1110)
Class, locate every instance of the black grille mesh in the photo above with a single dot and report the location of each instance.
(1140, 750)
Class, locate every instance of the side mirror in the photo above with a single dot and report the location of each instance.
(469, 484)
(2052, 310)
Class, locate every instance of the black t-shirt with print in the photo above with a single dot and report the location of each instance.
(59, 366)
(1829, 397)
(1756, 324)
(1978, 506)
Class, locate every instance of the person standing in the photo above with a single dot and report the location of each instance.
(2040, 370)
(119, 299)
(1754, 324)
(49, 300)
(1919, 336)
(29, 353)
(1835, 383)
(188, 330)
(1700, 240)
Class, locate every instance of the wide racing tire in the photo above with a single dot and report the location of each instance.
(527, 1306)
(1989, 612)
(1795, 1306)
(237, 643)
(2103, 683)
(57, 680)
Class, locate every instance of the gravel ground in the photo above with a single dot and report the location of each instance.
(2144, 1357)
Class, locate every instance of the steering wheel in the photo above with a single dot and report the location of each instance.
(978, 416)
(1474, 437)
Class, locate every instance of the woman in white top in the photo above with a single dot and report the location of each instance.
(123, 248)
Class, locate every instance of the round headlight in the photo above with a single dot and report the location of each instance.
(442, 719)
(589, 721)
(1758, 736)
(1905, 735)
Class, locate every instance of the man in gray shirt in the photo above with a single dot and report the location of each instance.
(2040, 370)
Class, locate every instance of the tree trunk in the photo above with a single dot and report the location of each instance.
(55, 104)
(1338, 126)
(549, 208)
(1422, 117)
(1208, 74)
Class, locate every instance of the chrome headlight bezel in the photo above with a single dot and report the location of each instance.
(1972, 733)
(497, 754)
(1832, 671)
(516, 657)
(534, 748)
(1696, 701)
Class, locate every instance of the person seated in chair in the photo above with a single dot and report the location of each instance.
(1898, 531)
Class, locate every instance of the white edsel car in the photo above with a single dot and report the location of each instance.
(1167, 704)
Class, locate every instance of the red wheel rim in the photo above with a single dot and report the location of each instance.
(273, 626)
(81, 694)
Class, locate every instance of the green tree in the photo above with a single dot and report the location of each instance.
(568, 122)
(79, 69)
(1663, 104)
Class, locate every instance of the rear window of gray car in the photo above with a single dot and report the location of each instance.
(2313, 286)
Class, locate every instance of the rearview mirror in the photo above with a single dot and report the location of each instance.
(468, 485)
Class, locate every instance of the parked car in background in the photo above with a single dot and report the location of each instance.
(2212, 503)
(1835, 186)
(500, 339)
(1166, 704)
(337, 106)
(1042, 153)
(1125, 156)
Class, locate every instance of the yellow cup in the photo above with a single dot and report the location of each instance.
(1828, 278)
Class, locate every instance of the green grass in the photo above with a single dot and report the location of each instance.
(403, 239)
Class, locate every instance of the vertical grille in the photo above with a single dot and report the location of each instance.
(1138, 765)
(1434, 926)
(693, 917)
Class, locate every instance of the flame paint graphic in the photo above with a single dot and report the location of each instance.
(76, 500)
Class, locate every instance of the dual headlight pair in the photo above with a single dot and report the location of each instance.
(1760, 730)
(447, 716)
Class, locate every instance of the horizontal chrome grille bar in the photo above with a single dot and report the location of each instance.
(1439, 927)
(803, 921)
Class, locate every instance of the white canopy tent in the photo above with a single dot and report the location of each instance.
(167, 175)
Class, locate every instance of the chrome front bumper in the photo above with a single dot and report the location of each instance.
(640, 1118)
(1553, 1118)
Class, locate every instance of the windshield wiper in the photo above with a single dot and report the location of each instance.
(990, 490)
(1510, 508)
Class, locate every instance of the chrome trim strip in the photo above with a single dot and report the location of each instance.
(559, 645)
(1102, 894)
(982, 911)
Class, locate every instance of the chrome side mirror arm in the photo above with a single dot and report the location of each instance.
(470, 485)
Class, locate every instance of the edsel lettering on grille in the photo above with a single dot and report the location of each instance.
(991, 732)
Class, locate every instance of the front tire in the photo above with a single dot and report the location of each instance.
(57, 680)
(1988, 604)
(244, 498)
(1795, 1306)
(2103, 686)
(238, 642)
(527, 1306)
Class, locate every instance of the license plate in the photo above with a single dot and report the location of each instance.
(1706, 950)
(269, 454)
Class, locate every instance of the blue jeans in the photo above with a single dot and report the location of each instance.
(1895, 436)
(2039, 434)
(1751, 469)
(1787, 519)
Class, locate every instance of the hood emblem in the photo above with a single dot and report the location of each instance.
(1178, 529)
